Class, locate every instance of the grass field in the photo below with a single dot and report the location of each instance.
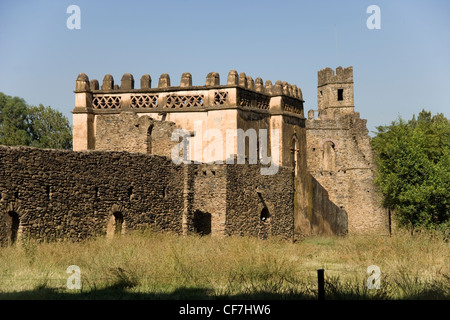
(154, 265)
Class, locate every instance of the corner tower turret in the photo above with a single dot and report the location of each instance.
(335, 93)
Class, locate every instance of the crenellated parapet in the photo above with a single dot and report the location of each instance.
(240, 91)
(327, 76)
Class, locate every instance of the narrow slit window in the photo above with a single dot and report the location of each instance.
(149, 140)
(340, 93)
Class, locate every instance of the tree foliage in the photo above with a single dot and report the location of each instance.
(414, 169)
(13, 121)
(42, 127)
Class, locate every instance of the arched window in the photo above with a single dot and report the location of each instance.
(328, 156)
(264, 225)
(265, 215)
(15, 223)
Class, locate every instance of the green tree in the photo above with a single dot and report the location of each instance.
(49, 128)
(13, 121)
(43, 127)
(414, 169)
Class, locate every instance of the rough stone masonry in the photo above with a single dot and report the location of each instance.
(120, 175)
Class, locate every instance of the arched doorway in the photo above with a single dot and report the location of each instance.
(115, 225)
(15, 224)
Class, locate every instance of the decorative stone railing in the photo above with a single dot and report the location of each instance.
(241, 91)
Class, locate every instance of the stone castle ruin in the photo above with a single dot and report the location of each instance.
(131, 169)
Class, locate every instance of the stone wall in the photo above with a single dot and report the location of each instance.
(208, 214)
(55, 194)
(123, 132)
(233, 198)
(75, 195)
(259, 205)
(341, 160)
(127, 131)
(325, 217)
(315, 212)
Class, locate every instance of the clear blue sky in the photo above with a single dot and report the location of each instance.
(398, 70)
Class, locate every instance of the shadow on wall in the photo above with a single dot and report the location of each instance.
(318, 215)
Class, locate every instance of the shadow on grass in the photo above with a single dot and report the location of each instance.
(125, 284)
(115, 292)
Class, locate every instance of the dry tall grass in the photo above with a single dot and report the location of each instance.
(153, 265)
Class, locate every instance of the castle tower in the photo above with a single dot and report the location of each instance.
(339, 155)
(335, 93)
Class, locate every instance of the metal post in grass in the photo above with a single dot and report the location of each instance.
(321, 283)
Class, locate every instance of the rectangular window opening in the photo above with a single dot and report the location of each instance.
(340, 93)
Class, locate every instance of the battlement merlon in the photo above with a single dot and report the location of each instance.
(327, 76)
(241, 91)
